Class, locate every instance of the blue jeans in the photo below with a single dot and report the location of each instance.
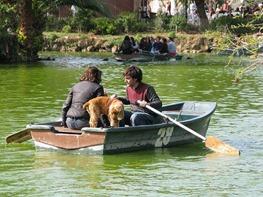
(139, 118)
(77, 123)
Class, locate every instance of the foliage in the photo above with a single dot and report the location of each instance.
(53, 37)
(66, 29)
(8, 17)
(177, 23)
(55, 24)
(8, 39)
(239, 46)
(39, 14)
(173, 23)
(125, 23)
(238, 24)
(95, 5)
(31, 39)
(103, 25)
(171, 34)
(161, 21)
(129, 22)
(82, 20)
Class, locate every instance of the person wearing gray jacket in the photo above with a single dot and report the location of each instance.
(73, 114)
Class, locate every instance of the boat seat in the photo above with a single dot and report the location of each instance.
(180, 115)
(66, 130)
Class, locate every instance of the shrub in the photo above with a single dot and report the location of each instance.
(177, 23)
(103, 25)
(53, 23)
(129, 22)
(171, 34)
(161, 21)
(66, 29)
(238, 25)
(82, 21)
(8, 18)
(125, 23)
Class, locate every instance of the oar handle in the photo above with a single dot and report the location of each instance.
(176, 122)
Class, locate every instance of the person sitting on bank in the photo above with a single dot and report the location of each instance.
(171, 47)
(73, 114)
(138, 95)
(126, 46)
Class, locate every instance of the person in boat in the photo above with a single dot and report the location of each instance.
(126, 46)
(171, 47)
(157, 45)
(138, 95)
(164, 49)
(88, 87)
(135, 46)
(145, 44)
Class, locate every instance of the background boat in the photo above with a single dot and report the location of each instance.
(145, 56)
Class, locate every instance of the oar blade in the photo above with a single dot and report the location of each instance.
(19, 136)
(218, 146)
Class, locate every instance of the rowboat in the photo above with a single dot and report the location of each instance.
(145, 57)
(195, 115)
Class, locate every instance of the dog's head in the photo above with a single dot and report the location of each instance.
(116, 109)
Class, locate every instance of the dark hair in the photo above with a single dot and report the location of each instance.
(127, 38)
(134, 72)
(92, 73)
(133, 41)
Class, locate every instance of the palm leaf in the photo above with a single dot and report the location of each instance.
(95, 5)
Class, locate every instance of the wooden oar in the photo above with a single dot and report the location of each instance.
(211, 142)
(18, 137)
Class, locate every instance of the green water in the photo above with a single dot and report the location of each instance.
(35, 93)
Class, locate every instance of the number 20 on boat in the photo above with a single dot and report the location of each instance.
(164, 136)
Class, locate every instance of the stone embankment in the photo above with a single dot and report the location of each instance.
(194, 44)
(91, 43)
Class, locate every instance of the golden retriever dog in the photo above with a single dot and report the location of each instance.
(111, 107)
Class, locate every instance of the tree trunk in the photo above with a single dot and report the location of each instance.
(200, 4)
(26, 29)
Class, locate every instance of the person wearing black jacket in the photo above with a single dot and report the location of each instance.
(73, 114)
(126, 46)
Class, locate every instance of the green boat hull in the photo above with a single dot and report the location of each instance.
(195, 115)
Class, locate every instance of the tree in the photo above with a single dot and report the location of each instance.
(32, 15)
(200, 5)
(25, 29)
(8, 25)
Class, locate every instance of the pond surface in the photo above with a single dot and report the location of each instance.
(36, 92)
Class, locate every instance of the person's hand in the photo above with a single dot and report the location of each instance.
(142, 103)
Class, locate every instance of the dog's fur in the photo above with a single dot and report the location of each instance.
(111, 107)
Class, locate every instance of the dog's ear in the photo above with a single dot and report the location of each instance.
(86, 105)
(120, 109)
(120, 115)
